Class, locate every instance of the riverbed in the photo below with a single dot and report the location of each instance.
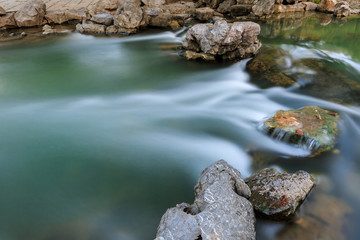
(100, 135)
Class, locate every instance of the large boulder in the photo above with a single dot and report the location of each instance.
(342, 9)
(277, 195)
(31, 14)
(224, 41)
(327, 6)
(77, 14)
(220, 210)
(313, 127)
(129, 15)
(263, 8)
(106, 6)
(56, 16)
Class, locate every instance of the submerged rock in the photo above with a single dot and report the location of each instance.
(224, 41)
(31, 14)
(313, 127)
(220, 210)
(278, 195)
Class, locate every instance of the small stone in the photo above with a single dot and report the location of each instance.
(220, 210)
(90, 28)
(313, 127)
(277, 195)
(103, 18)
(23, 34)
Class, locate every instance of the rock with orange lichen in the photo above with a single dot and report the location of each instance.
(312, 127)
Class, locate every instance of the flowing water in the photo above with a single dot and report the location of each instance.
(99, 136)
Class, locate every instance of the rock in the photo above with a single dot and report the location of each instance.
(220, 210)
(342, 9)
(31, 14)
(77, 14)
(2, 11)
(110, 30)
(313, 127)
(106, 6)
(327, 6)
(277, 195)
(224, 7)
(8, 21)
(103, 18)
(129, 15)
(23, 34)
(57, 16)
(190, 55)
(154, 3)
(224, 41)
(47, 29)
(297, 7)
(310, 6)
(204, 14)
(90, 28)
(263, 8)
(211, 3)
(240, 10)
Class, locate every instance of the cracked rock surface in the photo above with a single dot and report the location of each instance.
(220, 210)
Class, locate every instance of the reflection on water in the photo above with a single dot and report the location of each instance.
(99, 136)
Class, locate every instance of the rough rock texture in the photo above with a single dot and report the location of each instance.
(297, 7)
(204, 14)
(263, 7)
(327, 6)
(110, 30)
(277, 195)
(224, 41)
(8, 21)
(90, 28)
(153, 3)
(103, 18)
(129, 15)
(220, 211)
(77, 14)
(2, 11)
(31, 14)
(314, 127)
(56, 17)
(224, 7)
(106, 6)
(310, 6)
(342, 9)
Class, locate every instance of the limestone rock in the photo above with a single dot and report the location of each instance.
(342, 9)
(277, 195)
(77, 14)
(57, 16)
(263, 8)
(204, 14)
(313, 127)
(2, 11)
(8, 21)
(47, 29)
(110, 30)
(224, 7)
(224, 41)
(103, 18)
(327, 6)
(31, 14)
(106, 6)
(211, 3)
(297, 7)
(220, 211)
(90, 28)
(152, 3)
(240, 10)
(310, 6)
(129, 14)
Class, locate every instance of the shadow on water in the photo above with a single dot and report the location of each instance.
(99, 136)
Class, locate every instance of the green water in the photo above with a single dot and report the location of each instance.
(99, 136)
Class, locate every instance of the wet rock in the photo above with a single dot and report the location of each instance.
(87, 27)
(327, 6)
(313, 127)
(57, 16)
(210, 3)
(129, 15)
(47, 29)
(31, 14)
(277, 195)
(342, 9)
(2, 11)
(297, 7)
(204, 14)
(240, 10)
(8, 21)
(103, 18)
(110, 30)
(190, 55)
(310, 6)
(220, 210)
(224, 7)
(23, 34)
(224, 41)
(77, 14)
(263, 8)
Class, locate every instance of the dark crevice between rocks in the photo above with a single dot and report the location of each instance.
(199, 238)
(190, 211)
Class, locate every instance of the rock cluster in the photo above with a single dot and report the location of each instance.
(222, 41)
(277, 195)
(313, 127)
(220, 210)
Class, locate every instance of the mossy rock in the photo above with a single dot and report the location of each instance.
(312, 127)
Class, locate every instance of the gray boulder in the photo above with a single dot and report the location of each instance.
(31, 14)
(220, 211)
(103, 18)
(263, 8)
(224, 41)
(277, 195)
